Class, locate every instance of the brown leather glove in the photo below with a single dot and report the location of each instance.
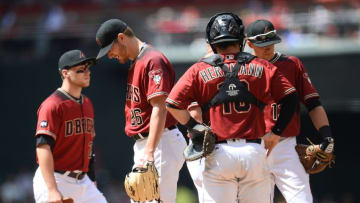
(142, 184)
(313, 158)
(68, 200)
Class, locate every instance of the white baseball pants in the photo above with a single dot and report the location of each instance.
(81, 191)
(236, 172)
(288, 173)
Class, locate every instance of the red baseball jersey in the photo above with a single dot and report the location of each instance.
(150, 75)
(71, 125)
(231, 120)
(292, 68)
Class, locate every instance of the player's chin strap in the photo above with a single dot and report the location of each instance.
(232, 90)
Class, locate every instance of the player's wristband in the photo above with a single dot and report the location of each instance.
(191, 123)
(325, 131)
(91, 172)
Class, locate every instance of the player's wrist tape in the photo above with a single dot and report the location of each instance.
(325, 131)
(277, 131)
(191, 123)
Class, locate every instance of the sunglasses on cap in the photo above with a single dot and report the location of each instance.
(263, 37)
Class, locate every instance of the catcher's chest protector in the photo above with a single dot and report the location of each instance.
(232, 90)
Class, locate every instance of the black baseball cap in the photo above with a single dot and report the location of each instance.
(262, 33)
(107, 33)
(72, 58)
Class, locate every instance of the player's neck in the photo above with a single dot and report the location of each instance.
(135, 48)
(71, 89)
(270, 57)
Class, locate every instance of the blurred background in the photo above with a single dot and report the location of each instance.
(324, 34)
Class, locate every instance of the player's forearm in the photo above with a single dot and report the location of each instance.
(157, 124)
(182, 116)
(46, 162)
(196, 113)
(319, 117)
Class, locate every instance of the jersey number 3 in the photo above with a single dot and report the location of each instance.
(136, 118)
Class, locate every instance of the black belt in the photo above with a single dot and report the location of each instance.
(77, 176)
(258, 141)
(140, 136)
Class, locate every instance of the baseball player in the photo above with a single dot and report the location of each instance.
(232, 87)
(286, 170)
(64, 137)
(150, 79)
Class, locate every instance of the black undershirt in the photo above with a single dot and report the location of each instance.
(312, 104)
(287, 110)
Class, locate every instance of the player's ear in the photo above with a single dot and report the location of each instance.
(64, 73)
(120, 38)
(249, 44)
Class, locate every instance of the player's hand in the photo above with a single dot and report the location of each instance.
(270, 141)
(148, 157)
(55, 196)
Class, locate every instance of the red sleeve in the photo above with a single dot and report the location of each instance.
(304, 87)
(280, 86)
(159, 79)
(183, 93)
(48, 120)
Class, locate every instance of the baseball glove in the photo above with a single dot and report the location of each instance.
(142, 183)
(313, 158)
(202, 142)
(68, 200)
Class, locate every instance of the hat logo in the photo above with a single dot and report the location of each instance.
(267, 29)
(82, 55)
(98, 42)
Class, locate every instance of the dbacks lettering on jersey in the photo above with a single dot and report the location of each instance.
(133, 93)
(210, 73)
(79, 126)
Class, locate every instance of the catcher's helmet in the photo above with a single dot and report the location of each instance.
(225, 27)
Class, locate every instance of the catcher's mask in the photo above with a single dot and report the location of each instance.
(225, 27)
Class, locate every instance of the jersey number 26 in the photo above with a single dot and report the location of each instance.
(136, 118)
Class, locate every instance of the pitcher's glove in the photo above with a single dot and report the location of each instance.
(202, 142)
(315, 158)
(68, 200)
(142, 183)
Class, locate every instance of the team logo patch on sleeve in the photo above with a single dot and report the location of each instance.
(156, 76)
(43, 124)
